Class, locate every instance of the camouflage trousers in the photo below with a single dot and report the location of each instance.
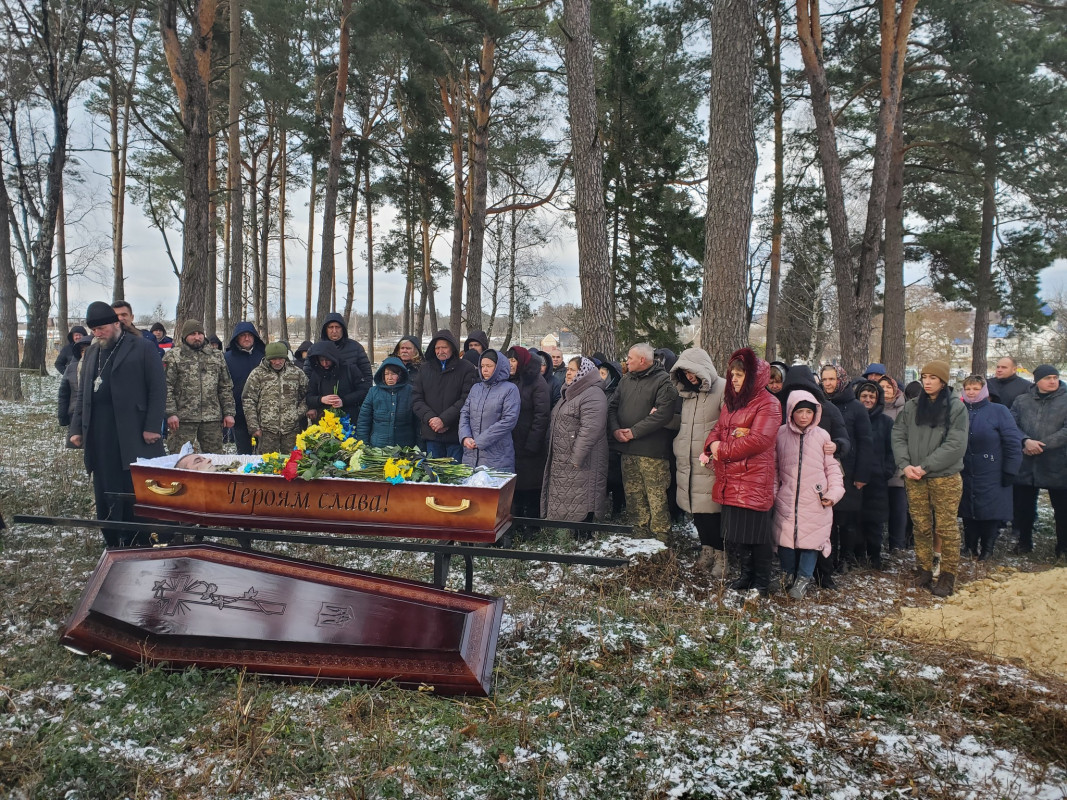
(205, 436)
(645, 481)
(934, 505)
(272, 442)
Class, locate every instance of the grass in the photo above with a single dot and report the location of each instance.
(635, 683)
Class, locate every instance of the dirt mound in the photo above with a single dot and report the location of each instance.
(1019, 615)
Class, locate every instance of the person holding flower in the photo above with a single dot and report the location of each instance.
(331, 384)
(489, 415)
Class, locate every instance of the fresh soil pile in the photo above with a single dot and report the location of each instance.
(1019, 615)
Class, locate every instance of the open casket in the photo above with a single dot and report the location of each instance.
(215, 607)
(464, 513)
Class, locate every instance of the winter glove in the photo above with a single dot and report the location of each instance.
(1007, 479)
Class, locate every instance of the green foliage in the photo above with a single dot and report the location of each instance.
(987, 104)
(652, 90)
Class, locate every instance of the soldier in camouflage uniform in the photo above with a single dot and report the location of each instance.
(199, 392)
(274, 401)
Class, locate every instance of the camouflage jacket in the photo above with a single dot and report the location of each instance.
(199, 387)
(275, 401)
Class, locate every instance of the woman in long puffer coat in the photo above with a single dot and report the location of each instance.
(810, 482)
(489, 415)
(531, 431)
(741, 447)
(576, 474)
(700, 389)
(993, 458)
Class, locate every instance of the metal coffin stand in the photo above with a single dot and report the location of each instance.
(216, 607)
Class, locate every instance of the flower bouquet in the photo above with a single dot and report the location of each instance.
(328, 449)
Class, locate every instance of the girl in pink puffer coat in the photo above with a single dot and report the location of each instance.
(809, 483)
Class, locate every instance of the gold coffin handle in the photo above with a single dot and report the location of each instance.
(464, 504)
(174, 488)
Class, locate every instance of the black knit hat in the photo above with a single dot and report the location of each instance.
(804, 404)
(1045, 371)
(100, 314)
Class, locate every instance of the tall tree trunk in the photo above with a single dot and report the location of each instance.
(211, 288)
(350, 244)
(773, 57)
(283, 169)
(62, 323)
(856, 279)
(234, 189)
(370, 262)
(10, 379)
(39, 279)
(191, 71)
(480, 178)
(427, 278)
(984, 283)
(310, 276)
(892, 354)
(253, 237)
(460, 213)
(262, 314)
(732, 173)
(598, 322)
(327, 270)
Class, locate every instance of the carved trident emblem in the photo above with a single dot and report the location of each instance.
(175, 594)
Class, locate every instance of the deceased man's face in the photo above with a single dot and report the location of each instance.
(195, 461)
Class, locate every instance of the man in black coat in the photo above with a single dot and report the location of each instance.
(243, 354)
(474, 345)
(440, 389)
(1006, 384)
(349, 352)
(118, 413)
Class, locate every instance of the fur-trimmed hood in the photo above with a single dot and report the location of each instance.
(757, 371)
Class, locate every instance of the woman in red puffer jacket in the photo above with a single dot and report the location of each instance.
(741, 449)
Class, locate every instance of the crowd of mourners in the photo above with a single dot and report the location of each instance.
(827, 472)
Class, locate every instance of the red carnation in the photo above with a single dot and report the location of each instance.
(289, 470)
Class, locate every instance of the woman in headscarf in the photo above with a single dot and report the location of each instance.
(576, 473)
(741, 449)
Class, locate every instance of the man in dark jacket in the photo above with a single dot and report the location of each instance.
(441, 387)
(349, 351)
(1041, 415)
(1006, 384)
(67, 354)
(474, 345)
(118, 413)
(638, 415)
(243, 354)
(846, 534)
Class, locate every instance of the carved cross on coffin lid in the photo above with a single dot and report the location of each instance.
(213, 606)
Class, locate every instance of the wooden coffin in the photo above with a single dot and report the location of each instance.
(335, 505)
(216, 607)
